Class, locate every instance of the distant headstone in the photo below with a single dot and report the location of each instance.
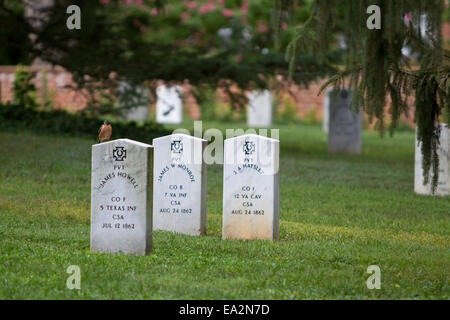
(121, 197)
(251, 188)
(443, 186)
(326, 111)
(179, 184)
(169, 107)
(259, 110)
(225, 35)
(344, 133)
(135, 99)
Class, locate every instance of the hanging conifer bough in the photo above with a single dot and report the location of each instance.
(376, 69)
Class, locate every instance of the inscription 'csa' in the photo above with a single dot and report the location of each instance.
(120, 197)
(179, 187)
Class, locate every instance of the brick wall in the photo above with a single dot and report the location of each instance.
(304, 99)
(57, 80)
(446, 31)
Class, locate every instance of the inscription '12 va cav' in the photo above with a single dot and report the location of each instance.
(250, 188)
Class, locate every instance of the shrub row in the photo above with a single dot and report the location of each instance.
(16, 117)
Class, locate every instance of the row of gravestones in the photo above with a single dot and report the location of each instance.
(137, 188)
(134, 193)
(134, 99)
(345, 136)
(342, 124)
(259, 111)
(346, 129)
(169, 106)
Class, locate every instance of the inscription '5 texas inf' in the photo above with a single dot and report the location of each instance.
(121, 197)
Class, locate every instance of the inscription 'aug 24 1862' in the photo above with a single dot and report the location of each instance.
(180, 184)
(251, 188)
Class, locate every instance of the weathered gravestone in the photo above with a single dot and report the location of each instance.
(169, 107)
(121, 197)
(443, 186)
(179, 184)
(135, 99)
(259, 110)
(344, 133)
(251, 188)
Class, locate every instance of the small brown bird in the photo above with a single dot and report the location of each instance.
(105, 131)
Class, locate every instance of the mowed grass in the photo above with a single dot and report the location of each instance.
(338, 215)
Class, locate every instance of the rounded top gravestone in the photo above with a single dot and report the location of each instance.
(251, 188)
(344, 134)
(121, 197)
(180, 184)
(169, 106)
(259, 109)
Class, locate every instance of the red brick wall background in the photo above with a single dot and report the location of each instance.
(304, 99)
(446, 31)
(57, 81)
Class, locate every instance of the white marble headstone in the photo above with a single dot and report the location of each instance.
(251, 188)
(443, 186)
(259, 109)
(344, 133)
(136, 99)
(179, 184)
(121, 197)
(169, 107)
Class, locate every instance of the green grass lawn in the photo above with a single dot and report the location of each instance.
(339, 214)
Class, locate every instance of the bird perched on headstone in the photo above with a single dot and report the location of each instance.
(105, 131)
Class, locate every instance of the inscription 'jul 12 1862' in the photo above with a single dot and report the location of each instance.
(121, 197)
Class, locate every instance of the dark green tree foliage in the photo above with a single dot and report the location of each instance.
(109, 47)
(12, 38)
(375, 67)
